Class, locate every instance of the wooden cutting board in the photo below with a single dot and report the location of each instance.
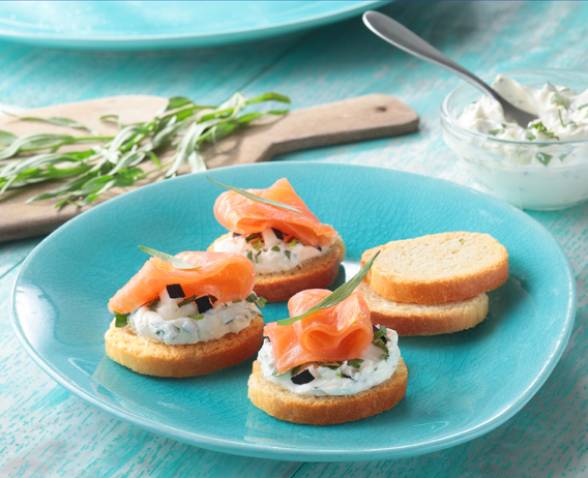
(355, 119)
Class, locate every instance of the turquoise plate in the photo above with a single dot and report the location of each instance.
(164, 24)
(460, 386)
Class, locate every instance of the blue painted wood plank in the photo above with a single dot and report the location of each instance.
(54, 433)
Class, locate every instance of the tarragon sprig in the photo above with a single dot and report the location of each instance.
(85, 173)
(337, 296)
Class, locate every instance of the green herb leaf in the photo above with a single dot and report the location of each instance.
(257, 300)
(338, 295)
(176, 102)
(111, 119)
(6, 137)
(288, 254)
(197, 316)
(379, 340)
(253, 197)
(174, 261)
(183, 129)
(543, 158)
(276, 248)
(541, 128)
(355, 363)
(56, 121)
(120, 320)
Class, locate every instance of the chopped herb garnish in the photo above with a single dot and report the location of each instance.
(540, 127)
(120, 320)
(257, 244)
(292, 243)
(494, 132)
(355, 363)
(276, 248)
(256, 257)
(559, 100)
(175, 291)
(338, 295)
(197, 316)
(159, 332)
(564, 125)
(380, 340)
(340, 374)
(288, 254)
(543, 158)
(254, 197)
(250, 255)
(253, 236)
(174, 261)
(530, 136)
(302, 378)
(152, 304)
(331, 365)
(257, 300)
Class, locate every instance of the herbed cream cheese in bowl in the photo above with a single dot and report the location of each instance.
(542, 166)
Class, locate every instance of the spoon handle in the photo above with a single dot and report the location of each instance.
(401, 37)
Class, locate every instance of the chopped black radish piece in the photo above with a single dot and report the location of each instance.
(303, 377)
(279, 234)
(204, 303)
(175, 291)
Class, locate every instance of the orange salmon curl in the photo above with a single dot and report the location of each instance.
(245, 216)
(337, 333)
(225, 276)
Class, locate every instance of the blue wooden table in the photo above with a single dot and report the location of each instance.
(46, 431)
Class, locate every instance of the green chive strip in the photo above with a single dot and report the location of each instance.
(253, 197)
(338, 295)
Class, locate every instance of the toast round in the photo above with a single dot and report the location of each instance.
(160, 360)
(325, 410)
(415, 319)
(438, 268)
(318, 272)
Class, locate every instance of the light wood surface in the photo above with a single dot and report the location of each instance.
(47, 432)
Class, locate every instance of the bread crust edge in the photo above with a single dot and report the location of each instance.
(156, 359)
(326, 410)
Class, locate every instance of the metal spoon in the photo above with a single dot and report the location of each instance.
(401, 37)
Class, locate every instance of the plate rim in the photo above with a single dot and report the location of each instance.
(166, 40)
(278, 452)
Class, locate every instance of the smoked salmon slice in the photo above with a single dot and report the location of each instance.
(244, 216)
(225, 276)
(341, 332)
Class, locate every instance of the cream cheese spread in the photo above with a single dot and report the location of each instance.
(562, 113)
(269, 253)
(174, 324)
(346, 379)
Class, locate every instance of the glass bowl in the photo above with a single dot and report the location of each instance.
(545, 175)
